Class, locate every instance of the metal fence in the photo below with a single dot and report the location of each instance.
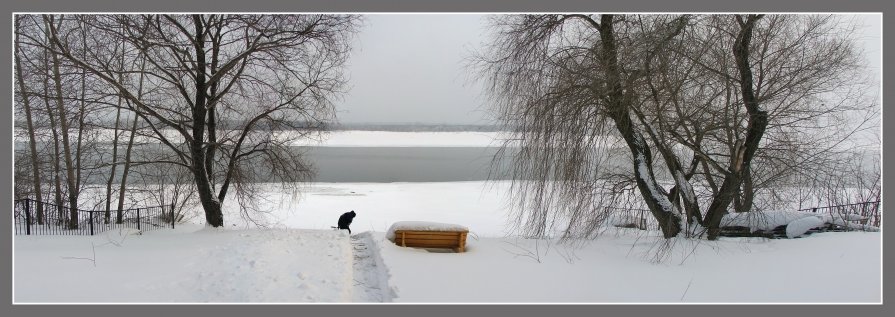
(32, 217)
(869, 209)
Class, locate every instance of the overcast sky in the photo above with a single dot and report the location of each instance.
(408, 68)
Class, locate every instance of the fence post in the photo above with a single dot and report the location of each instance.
(138, 218)
(27, 217)
(91, 222)
(172, 216)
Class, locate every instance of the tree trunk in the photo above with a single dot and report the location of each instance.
(212, 116)
(747, 192)
(108, 215)
(32, 140)
(82, 113)
(758, 121)
(57, 169)
(619, 110)
(124, 172)
(66, 147)
(130, 144)
(213, 213)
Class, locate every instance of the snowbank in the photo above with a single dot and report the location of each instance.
(800, 221)
(765, 220)
(848, 224)
(798, 227)
(421, 226)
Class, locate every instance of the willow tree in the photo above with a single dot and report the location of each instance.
(259, 74)
(671, 89)
(564, 82)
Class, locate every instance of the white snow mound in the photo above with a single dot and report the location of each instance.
(763, 220)
(798, 227)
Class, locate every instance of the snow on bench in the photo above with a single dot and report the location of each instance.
(425, 234)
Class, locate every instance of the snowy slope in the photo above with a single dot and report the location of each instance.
(298, 266)
(190, 264)
(300, 259)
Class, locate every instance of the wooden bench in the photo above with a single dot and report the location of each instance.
(455, 240)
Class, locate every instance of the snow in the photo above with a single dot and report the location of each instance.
(686, 189)
(798, 227)
(421, 226)
(849, 224)
(768, 220)
(853, 217)
(407, 139)
(643, 173)
(299, 259)
(764, 221)
(188, 264)
(843, 217)
(478, 205)
(614, 269)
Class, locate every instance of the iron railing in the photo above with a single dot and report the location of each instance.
(32, 217)
(869, 210)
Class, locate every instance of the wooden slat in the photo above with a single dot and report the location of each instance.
(450, 241)
(430, 236)
(430, 241)
(446, 246)
(436, 236)
(429, 232)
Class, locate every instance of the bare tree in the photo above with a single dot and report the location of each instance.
(114, 165)
(702, 91)
(32, 140)
(806, 74)
(273, 71)
(564, 82)
(64, 131)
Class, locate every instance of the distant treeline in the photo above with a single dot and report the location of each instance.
(267, 126)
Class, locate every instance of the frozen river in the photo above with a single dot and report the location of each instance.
(401, 164)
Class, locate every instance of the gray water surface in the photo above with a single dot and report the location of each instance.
(402, 164)
(348, 164)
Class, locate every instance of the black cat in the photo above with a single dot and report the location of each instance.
(345, 220)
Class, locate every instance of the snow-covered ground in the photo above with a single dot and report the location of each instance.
(619, 268)
(299, 259)
(187, 264)
(407, 139)
(481, 206)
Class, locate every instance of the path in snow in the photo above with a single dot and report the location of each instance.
(370, 275)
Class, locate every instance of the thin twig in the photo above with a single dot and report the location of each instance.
(88, 259)
(688, 288)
